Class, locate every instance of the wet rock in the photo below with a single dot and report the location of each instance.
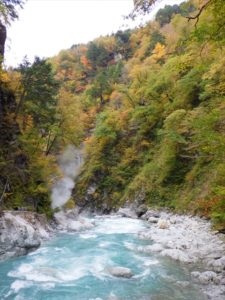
(153, 220)
(105, 209)
(206, 277)
(120, 272)
(21, 232)
(127, 213)
(141, 210)
(150, 213)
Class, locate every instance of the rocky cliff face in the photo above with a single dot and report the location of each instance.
(21, 232)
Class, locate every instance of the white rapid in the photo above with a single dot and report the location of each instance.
(70, 163)
(101, 263)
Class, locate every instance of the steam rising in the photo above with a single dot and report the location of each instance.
(70, 163)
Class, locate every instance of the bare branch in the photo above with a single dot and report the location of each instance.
(196, 17)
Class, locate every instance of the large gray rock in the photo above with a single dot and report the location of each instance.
(120, 272)
(150, 214)
(141, 210)
(21, 232)
(206, 277)
(218, 265)
(153, 220)
(127, 213)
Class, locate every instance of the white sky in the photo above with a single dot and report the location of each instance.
(47, 26)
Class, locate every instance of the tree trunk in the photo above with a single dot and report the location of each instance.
(2, 41)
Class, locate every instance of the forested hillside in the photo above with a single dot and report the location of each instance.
(148, 104)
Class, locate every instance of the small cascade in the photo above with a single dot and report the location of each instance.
(70, 163)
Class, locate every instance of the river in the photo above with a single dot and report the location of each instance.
(75, 266)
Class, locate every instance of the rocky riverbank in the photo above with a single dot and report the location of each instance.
(189, 240)
(22, 231)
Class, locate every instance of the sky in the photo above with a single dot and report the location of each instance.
(47, 26)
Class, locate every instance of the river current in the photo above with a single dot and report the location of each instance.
(74, 266)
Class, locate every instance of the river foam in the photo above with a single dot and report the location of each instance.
(95, 264)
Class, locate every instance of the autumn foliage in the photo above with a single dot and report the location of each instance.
(148, 104)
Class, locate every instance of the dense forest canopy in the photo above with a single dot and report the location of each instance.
(148, 104)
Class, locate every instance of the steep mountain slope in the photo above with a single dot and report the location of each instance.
(149, 106)
(157, 95)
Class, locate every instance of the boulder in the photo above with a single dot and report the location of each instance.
(206, 277)
(127, 213)
(141, 210)
(163, 224)
(120, 272)
(21, 232)
(153, 220)
(150, 213)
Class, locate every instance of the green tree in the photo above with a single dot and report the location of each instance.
(123, 43)
(156, 37)
(164, 15)
(103, 82)
(98, 55)
(39, 90)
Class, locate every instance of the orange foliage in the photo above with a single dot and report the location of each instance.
(205, 206)
(124, 115)
(88, 140)
(159, 51)
(85, 62)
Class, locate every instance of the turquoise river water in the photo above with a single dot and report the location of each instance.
(73, 266)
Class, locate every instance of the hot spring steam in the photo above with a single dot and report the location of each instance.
(70, 163)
